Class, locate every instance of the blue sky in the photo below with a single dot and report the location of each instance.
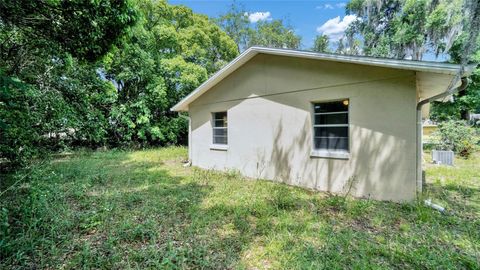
(306, 17)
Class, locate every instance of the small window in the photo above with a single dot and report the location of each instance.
(220, 132)
(330, 126)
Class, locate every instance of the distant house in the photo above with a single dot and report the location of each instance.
(321, 121)
(429, 128)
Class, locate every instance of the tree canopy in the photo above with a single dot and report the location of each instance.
(270, 33)
(167, 55)
(408, 29)
(85, 29)
(106, 76)
(106, 72)
(405, 28)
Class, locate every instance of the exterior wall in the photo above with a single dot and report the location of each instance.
(269, 105)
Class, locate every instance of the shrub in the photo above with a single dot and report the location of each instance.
(456, 136)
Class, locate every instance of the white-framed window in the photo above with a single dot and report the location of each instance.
(220, 128)
(331, 126)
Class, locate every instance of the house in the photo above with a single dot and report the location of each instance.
(315, 120)
(429, 128)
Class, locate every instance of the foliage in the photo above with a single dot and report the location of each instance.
(321, 44)
(16, 118)
(167, 55)
(350, 46)
(274, 34)
(143, 209)
(269, 33)
(410, 29)
(236, 24)
(54, 96)
(50, 89)
(456, 136)
(51, 104)
(85, 29)
(465, 101)
(406, 28)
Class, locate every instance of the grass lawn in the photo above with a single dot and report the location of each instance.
(143, 209)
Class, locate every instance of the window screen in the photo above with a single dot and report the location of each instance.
(220, 131)
(330, 125)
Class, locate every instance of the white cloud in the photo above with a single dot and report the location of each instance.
(258, 16)
(330, 6)
(325, 6)
(335, 28)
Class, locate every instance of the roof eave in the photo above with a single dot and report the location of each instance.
(218, 76)
(432, 67)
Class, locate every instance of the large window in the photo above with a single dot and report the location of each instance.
(330, 125)
(220, 132)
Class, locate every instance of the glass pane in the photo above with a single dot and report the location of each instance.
(331, 119)
(220, 119)
(219, 139)
(331, 132)
(220, 128)
(331, 143)
(336, 106)
(219, 123)
(220, 115)
(220, 132)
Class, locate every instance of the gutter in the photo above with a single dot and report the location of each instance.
(450, 91)
(432, 67)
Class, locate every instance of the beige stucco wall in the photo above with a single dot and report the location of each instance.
(270, 129)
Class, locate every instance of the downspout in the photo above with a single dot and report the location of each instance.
(450, 91)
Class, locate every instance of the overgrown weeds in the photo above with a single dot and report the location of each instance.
(143, 209)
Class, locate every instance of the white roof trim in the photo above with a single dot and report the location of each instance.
(433, 67)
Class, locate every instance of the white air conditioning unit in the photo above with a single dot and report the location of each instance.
(443, 157)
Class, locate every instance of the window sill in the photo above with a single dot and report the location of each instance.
(219, 147)
(329, 154)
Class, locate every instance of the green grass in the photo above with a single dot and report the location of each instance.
(143, 209)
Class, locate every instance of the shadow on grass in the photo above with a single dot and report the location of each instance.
(115, 210)
(102, 211)
(458, 197)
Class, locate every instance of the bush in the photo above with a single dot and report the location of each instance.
(456, 136)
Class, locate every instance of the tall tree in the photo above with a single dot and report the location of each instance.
(274, 34)
(269, 33)
(167, 55)
(236, 24)
(406, 28)
(466, 49)
(410, 29)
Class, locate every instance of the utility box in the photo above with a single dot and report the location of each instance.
(443, 157)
